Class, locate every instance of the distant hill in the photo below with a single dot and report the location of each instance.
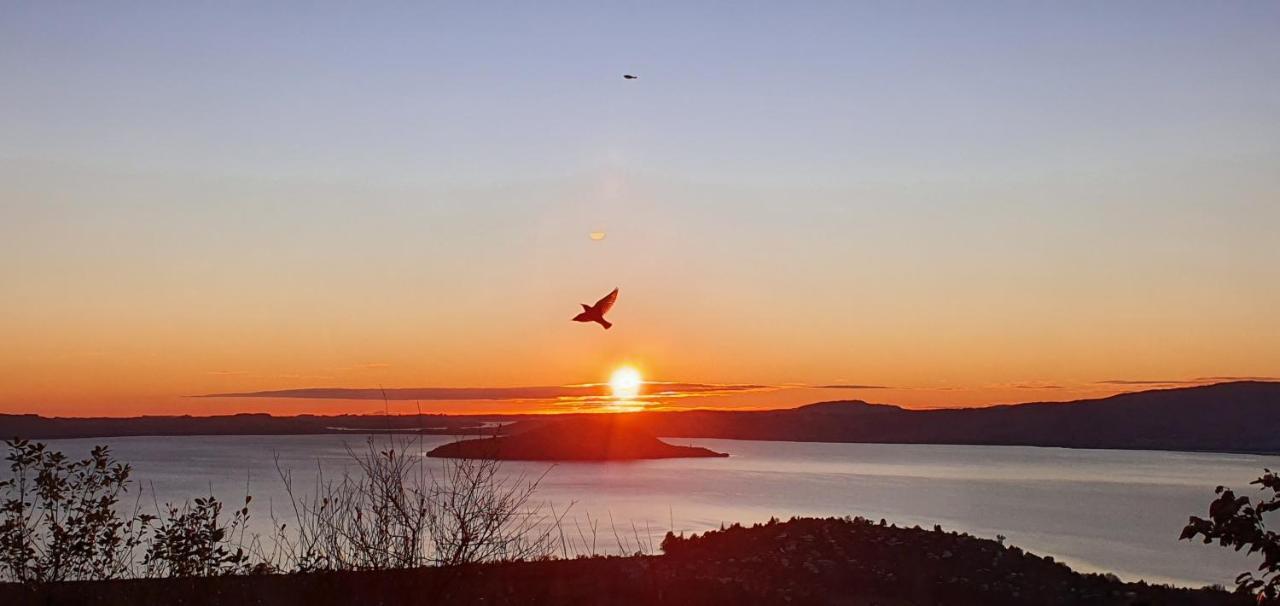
(1226, 417)
(591, 438)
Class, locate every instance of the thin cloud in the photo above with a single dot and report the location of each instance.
(1034, 385)
(557, 392)
(658, 396)
(612, 405)
(1195, 381)
(850, 386)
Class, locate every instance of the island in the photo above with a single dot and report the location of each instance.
(586, 438)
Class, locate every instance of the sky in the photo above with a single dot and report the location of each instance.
(941, 204)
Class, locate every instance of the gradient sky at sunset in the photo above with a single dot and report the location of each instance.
(957, 203)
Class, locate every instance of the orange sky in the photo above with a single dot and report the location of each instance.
(131, 307)
(924, 201)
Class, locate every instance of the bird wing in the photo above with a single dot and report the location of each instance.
(603, 305)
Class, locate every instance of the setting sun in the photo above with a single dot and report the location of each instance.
(625, 383)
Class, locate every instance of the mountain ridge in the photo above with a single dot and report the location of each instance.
(1229, 417)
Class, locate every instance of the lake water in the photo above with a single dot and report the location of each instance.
(1096, 510)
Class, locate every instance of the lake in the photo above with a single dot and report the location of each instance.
(1096, 510)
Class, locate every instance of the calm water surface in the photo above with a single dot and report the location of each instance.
(1097, 510)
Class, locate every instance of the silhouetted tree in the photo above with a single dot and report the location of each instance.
(62, 520)
(397, 513)
(1239, 523)
(192, 541)
(59, 518)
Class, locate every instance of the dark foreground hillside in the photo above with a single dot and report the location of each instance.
(804, 561)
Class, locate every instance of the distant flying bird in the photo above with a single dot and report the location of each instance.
(595, 313)
(629, 77)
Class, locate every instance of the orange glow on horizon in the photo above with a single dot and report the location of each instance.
(87, 402)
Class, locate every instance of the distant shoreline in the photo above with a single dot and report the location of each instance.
(1227, 418)
(462, 435)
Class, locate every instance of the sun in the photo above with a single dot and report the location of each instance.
(625, 383)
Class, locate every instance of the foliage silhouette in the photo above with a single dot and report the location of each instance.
(190, 541)
(59, 519)
(1239, 523)
(62, 520)
(398, 513)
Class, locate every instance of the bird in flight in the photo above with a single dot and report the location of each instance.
(629, 77)
(595, 313)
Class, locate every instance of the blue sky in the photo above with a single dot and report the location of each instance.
(824, 93)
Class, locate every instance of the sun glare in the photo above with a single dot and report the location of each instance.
(625, 383)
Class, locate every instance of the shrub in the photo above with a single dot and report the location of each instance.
(59, 519)
(396, 513)
(191, 541)
(1239, 523)
(62, 520)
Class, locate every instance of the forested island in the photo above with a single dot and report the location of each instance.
(590, 438)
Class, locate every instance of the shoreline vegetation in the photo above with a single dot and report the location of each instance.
(1234, 417)
(846, 561)
(391, 531)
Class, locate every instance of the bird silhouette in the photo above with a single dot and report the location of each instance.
(629, 77)
(595, 313)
